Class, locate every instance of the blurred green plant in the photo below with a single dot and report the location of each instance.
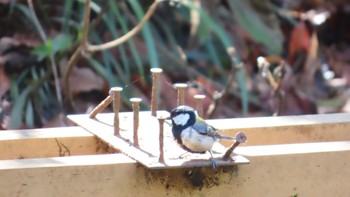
(60, 43)
(258, 19)
(156, 46)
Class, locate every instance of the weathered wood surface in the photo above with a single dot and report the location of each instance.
(288, 129)
(275, 170)
(54, 142)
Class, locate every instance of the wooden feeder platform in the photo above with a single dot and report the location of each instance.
(147, 153)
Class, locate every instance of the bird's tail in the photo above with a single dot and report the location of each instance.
(226, 137)
(240, 137)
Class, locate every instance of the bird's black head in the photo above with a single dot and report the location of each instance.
(182, 117)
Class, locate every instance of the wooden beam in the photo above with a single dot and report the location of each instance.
(288, 129)
(37, 143)
(272, 172)
(59, 132)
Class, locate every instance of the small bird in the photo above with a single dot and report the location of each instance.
(192, 133)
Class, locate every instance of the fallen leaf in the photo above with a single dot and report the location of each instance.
(168, 95)
(59, 121)
(311, 62)
(4, 82)
(85, 80)
(17, 40)
(299, 41)
(5, 114)
(5, 1)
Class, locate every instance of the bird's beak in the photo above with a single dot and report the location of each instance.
(167, 121)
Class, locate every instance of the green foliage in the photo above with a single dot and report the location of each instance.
(147, 34)
(155, 46)
(60, 43)
(19, 105)
(218, 30)
(262, 28)
(28, 92)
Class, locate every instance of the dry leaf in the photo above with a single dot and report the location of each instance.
(85, 80)
(299, 41)
(5, 1)
(4, 82)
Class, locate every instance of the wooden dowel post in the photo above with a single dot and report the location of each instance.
(181, 87)
(161, 139)
(155, 82)
(115, 94)
(240, 138)
(100, 107)
(136, 111)
(199, 98)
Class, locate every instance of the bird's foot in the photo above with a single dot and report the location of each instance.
(212, 160)
(213, 163)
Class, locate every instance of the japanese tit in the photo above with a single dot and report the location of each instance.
(192, 133)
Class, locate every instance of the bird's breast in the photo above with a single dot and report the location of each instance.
(195, 141)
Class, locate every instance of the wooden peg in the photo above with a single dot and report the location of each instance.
(154, 104)
(115, 93)
(136, 110)
(199, 98)
(181, 87)
(161, 120)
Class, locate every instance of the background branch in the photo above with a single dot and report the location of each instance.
(127, 36)
(86, 47)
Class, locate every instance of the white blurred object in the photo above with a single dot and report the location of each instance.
(317, 17)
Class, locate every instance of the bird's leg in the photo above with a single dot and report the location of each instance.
(212, 160)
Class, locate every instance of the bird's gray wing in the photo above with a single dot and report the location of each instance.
(204, 129)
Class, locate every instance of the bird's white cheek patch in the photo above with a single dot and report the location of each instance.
(181, 119)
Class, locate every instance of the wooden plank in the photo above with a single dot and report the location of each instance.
(81, 160)
(269, 174)
(280, 121)
(148, 133)
(59, 132)
(36, 143)
(288, 149)
(287, 129)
